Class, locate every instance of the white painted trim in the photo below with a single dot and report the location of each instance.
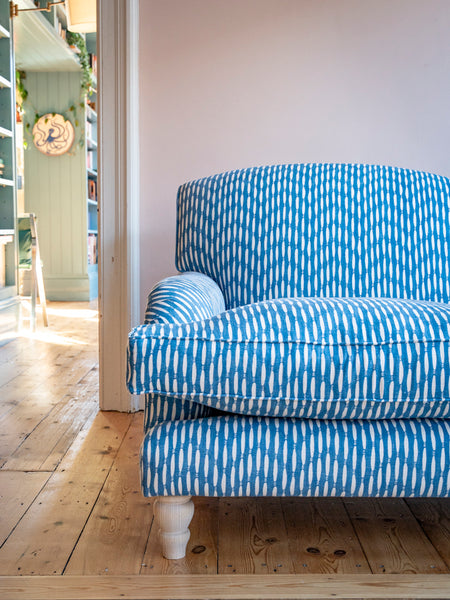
(118, 165)
(133, 160)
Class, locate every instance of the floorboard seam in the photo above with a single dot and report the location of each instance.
(50, 473)
(357, 537)
(96, 499)
(444, 560)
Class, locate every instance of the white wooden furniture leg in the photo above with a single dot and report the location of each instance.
(173, 515)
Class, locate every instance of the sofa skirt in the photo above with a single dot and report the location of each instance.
(262, 456)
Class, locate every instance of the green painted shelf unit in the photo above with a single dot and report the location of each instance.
(92, 192)
(9, 304)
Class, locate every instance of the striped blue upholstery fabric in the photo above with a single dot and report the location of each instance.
(318, 230)
(313, 310)
(337, 358)
(161, 408)
(184, 298)
(179, 299)
(254, 456)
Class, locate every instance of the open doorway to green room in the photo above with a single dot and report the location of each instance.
(117, 216)
(56, 154)
(49, 224)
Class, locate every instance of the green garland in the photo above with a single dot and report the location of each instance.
(77, 40)
(86, 88)
(20, 87)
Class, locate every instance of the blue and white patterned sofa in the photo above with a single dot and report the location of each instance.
(305, 348)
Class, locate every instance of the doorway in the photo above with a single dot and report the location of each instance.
(57, 176)
(118, 193)
(49, 375)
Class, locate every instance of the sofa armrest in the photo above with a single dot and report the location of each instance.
(184, 298)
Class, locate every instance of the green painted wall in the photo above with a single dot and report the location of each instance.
(55, 190)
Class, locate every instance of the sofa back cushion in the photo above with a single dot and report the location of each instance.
(318, 230)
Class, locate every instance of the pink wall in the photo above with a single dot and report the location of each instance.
(232, 83)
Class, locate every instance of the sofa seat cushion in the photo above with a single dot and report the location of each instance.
(262, 456)
(325, 358)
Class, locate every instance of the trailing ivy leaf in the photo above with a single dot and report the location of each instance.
(75, 39)
(76, 123)
(72, 108)
(22, 92)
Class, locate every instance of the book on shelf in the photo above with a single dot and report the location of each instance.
(90, 160)
(92, 190)
(93, 64)
(61, 29)
(92, 249)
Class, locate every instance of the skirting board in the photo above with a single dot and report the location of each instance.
(223, 587)
(61, 288)
(67, 289)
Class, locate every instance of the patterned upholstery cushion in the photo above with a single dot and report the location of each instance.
(254, 456)
(318, 230)
(184, 298)
(180, 299)
(336, 358)
(160, 408)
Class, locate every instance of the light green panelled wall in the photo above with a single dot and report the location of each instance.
(55, 189)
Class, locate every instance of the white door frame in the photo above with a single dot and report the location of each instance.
(118, 167)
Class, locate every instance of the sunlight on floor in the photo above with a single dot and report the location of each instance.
(51, 338)
(86, 314)
(67, 321)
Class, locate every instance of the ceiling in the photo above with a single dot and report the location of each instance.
(37, 43)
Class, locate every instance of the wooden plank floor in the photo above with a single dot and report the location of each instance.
(71, 505)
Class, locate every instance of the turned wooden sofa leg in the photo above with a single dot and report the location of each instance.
(173, 515)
